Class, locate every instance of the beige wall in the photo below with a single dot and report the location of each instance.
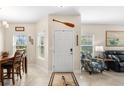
(1, 39)
(29, 31)
(99, 32)
(57, 26)
(48, 27)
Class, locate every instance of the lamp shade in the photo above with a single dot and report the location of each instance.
(99, 48)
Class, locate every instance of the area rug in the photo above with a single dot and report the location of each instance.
(63, 79)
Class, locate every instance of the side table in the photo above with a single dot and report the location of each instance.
(108, 63)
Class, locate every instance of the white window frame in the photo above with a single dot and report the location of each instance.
(14, 40)
(92, 45)
(39, 45)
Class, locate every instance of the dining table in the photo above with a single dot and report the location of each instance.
(4, 60)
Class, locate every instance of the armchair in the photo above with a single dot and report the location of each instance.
(92, 64)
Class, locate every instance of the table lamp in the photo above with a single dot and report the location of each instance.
(99, 49)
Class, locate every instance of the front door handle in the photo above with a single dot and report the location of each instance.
(71, 50)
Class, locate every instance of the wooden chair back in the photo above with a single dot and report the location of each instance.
(17, 57)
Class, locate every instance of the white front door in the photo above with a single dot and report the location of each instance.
(63, 56)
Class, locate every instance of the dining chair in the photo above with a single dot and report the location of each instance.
(23, 52)
(23, 62)
(13, 67)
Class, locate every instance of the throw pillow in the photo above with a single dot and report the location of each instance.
(110, 56)
(121, 57)
(115, 58)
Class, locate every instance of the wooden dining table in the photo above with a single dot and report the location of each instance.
(4, 60)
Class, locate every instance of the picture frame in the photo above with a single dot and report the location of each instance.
(31, 40)
(115, 38)
(19, 28)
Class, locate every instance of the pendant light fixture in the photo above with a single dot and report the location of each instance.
(4, 24)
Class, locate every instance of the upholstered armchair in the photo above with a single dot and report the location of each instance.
(92, 64)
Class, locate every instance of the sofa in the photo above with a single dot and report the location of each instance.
(117, 63)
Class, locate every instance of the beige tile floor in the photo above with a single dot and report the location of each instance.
(38, 76)
(107, 78)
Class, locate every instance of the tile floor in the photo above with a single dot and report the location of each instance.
(107, 78)
(38, 76)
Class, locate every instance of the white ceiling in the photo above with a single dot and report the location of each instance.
(89, 15)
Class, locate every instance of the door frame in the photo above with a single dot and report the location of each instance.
(53, 53)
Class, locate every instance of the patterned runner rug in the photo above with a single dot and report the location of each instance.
(63, 79)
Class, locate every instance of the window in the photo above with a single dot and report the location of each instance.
(87, 44)
(41, 45)
(20, 41)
